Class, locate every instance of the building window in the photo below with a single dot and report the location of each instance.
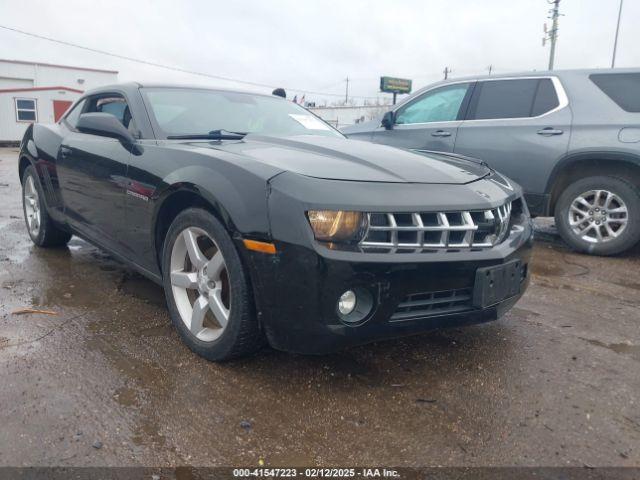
(26, 110)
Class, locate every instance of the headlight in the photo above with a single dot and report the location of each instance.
(337, 226)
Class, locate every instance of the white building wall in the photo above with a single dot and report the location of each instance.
(43, 75)
(17, 72)
(80, 79)
(22, 75)
(6, 82)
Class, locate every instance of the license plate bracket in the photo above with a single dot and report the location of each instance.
(497, 283)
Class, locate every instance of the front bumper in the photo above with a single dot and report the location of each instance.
(298, 288)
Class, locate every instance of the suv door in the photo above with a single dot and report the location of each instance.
(430, 121)
(520, 127)
(92, 172)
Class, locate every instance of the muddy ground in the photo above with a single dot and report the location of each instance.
(106, 381)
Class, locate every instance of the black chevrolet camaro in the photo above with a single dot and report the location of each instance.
(265, 224)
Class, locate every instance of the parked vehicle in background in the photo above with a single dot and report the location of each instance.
(570, 138)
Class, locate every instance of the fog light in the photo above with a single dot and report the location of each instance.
(347, 302)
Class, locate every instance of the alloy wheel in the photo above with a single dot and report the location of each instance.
(32, 206)
(200, 284)
(598, 216)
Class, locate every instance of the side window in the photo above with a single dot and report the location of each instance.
(622, 88)
(72, 117)
(113, 104)
(503, 99)
(26, 110)
(439, 105)
(546, 98)
(116, 106)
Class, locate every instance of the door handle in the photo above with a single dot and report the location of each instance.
(547, 132)
(440, 133)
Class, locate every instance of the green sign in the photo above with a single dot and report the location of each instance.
(395, 85)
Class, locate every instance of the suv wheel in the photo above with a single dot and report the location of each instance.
(207, 290)
(599, 215)
(42, 229)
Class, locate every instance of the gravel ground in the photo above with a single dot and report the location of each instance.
(107, 381)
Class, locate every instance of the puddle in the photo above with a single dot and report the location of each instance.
(345, 365)
(142, 288)
(632, 285)
(148, 433)
(523, 312)
(163, 330)
(622, 348)
(126, 397)
(546, 269)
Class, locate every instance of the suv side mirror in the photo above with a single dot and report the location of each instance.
(105, 125)
(388, 119)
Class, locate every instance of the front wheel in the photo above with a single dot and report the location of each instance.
(207, 290)
(599, 215)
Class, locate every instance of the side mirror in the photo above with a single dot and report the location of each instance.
(388, 120)
(105, 125)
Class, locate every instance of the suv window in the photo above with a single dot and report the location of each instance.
(439, 105)
(546, 98)
(73, 115)
(622, 88)
(517, 98)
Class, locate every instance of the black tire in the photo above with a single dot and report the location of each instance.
(49, 234)
(629, 194)
(242, 334)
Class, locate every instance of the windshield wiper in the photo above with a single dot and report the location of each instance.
(212, 135)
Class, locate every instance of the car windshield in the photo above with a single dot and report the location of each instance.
(193, 112)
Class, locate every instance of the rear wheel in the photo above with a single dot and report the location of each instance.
(599, 215)
(42, 229)
(207, 290)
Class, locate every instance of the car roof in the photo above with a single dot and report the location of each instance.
(544, 73)
(127, 86)
(535, 73)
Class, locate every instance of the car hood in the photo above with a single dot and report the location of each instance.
(337, 158)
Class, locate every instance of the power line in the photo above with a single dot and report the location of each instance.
(169, 67)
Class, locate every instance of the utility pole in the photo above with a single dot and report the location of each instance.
(346, 93)
(490, 68)
(553, 33)
(446, 72)
(615, 43)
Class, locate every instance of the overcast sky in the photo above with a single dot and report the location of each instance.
(308, 45)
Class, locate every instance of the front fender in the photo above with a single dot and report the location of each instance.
(241, 203)
(39, 148)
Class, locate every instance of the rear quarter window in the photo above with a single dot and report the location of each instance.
(512, 98)
(503, 99)
(622, 88)
(546, 98)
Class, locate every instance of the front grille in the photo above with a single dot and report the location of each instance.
(429, 304)
(433, 231)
